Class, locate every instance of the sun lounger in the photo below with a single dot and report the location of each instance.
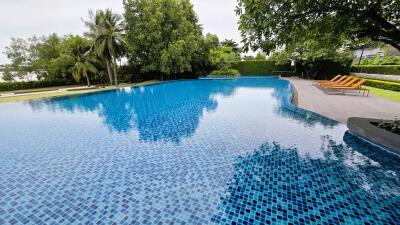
(338, 81)
(355, 87)
(332, 80)
(346, 83)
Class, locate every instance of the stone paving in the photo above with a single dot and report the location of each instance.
(340, 107)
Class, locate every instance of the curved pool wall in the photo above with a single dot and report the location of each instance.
(194, 152)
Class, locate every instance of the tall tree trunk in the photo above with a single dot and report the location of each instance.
(87, 80)
(109, 72)
(115, 71)
(362, 54)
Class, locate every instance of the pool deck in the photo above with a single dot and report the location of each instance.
(341, 107)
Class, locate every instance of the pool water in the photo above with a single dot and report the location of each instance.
(189, 152)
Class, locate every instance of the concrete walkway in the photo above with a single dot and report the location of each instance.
(340, 107)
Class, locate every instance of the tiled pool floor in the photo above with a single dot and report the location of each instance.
(189, 152)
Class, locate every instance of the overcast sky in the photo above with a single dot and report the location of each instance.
(24, 18)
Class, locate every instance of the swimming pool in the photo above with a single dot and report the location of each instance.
(189, 152)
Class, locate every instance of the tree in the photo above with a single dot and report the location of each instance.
(107, 32)
(223, 58)
(274, 23)
(260, 56)
(84, 63)
(212, 41)
(231, 44)
(19, 55)
(42, 50)
(163, 35)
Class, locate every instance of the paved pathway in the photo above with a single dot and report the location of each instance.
(340, 107)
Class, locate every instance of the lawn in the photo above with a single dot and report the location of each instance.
(64, 93)
(38, 89)
(392, 95)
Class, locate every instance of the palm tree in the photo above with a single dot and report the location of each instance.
(107, 32)
(84, 64)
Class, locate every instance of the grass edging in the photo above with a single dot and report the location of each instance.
(72, 93)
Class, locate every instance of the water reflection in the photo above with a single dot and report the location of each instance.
(172, 111)
(275, 184)
(157, 112)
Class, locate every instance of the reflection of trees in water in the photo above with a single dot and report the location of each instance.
(276, 185)
(162, 114)
(165, 112)
(305, 117)
(168, 111)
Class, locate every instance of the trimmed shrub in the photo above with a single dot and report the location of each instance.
(323, 69)
(231, 72)
(387, 85)
(259, 67)
(387, 70)
(11, 86)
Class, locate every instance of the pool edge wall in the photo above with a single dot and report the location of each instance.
(381, 137)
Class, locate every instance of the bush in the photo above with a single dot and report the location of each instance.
(387, 85)
(388, 70)
(10, 86)
(393, 126)
(259, 67)
(230, 72)
(378, 60)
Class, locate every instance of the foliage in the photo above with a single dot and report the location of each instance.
(212, 41)
(248, 58)
(164, 36)
(107, 33)
(19, 54)
(314, 60)
(275, 23)
(263, 67)
(42, 51)
(229, 43)
(280, 57)
(84, 64)
(10, 86)
(228, 72)
(389, 70)
(260, 56)
(386, 85)
(377, 60)
(393, 126)
(48, 57)
(223, 58)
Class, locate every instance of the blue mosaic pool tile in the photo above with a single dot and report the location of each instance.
(209, 152)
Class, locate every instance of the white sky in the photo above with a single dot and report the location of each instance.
(24, 18)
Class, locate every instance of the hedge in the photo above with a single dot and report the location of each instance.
(11, 86)
(231, 72)
(259, 67)
(387, 70)
(387, 85)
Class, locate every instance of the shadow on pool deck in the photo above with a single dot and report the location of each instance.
(340, 107)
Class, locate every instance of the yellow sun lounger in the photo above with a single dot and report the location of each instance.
(338, 81)
(356, 87)
(332, 80)
(346, 83)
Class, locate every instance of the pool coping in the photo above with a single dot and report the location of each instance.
(381, 137)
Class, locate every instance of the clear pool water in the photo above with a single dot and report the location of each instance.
(189, 152)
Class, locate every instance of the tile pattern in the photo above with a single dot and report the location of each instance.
(210, 152)
(274, 185)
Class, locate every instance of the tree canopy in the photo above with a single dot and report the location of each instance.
(270, 24)
(163, 35)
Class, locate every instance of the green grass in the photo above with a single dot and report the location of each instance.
(38, 89)
(65, 93)
(392, 95)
